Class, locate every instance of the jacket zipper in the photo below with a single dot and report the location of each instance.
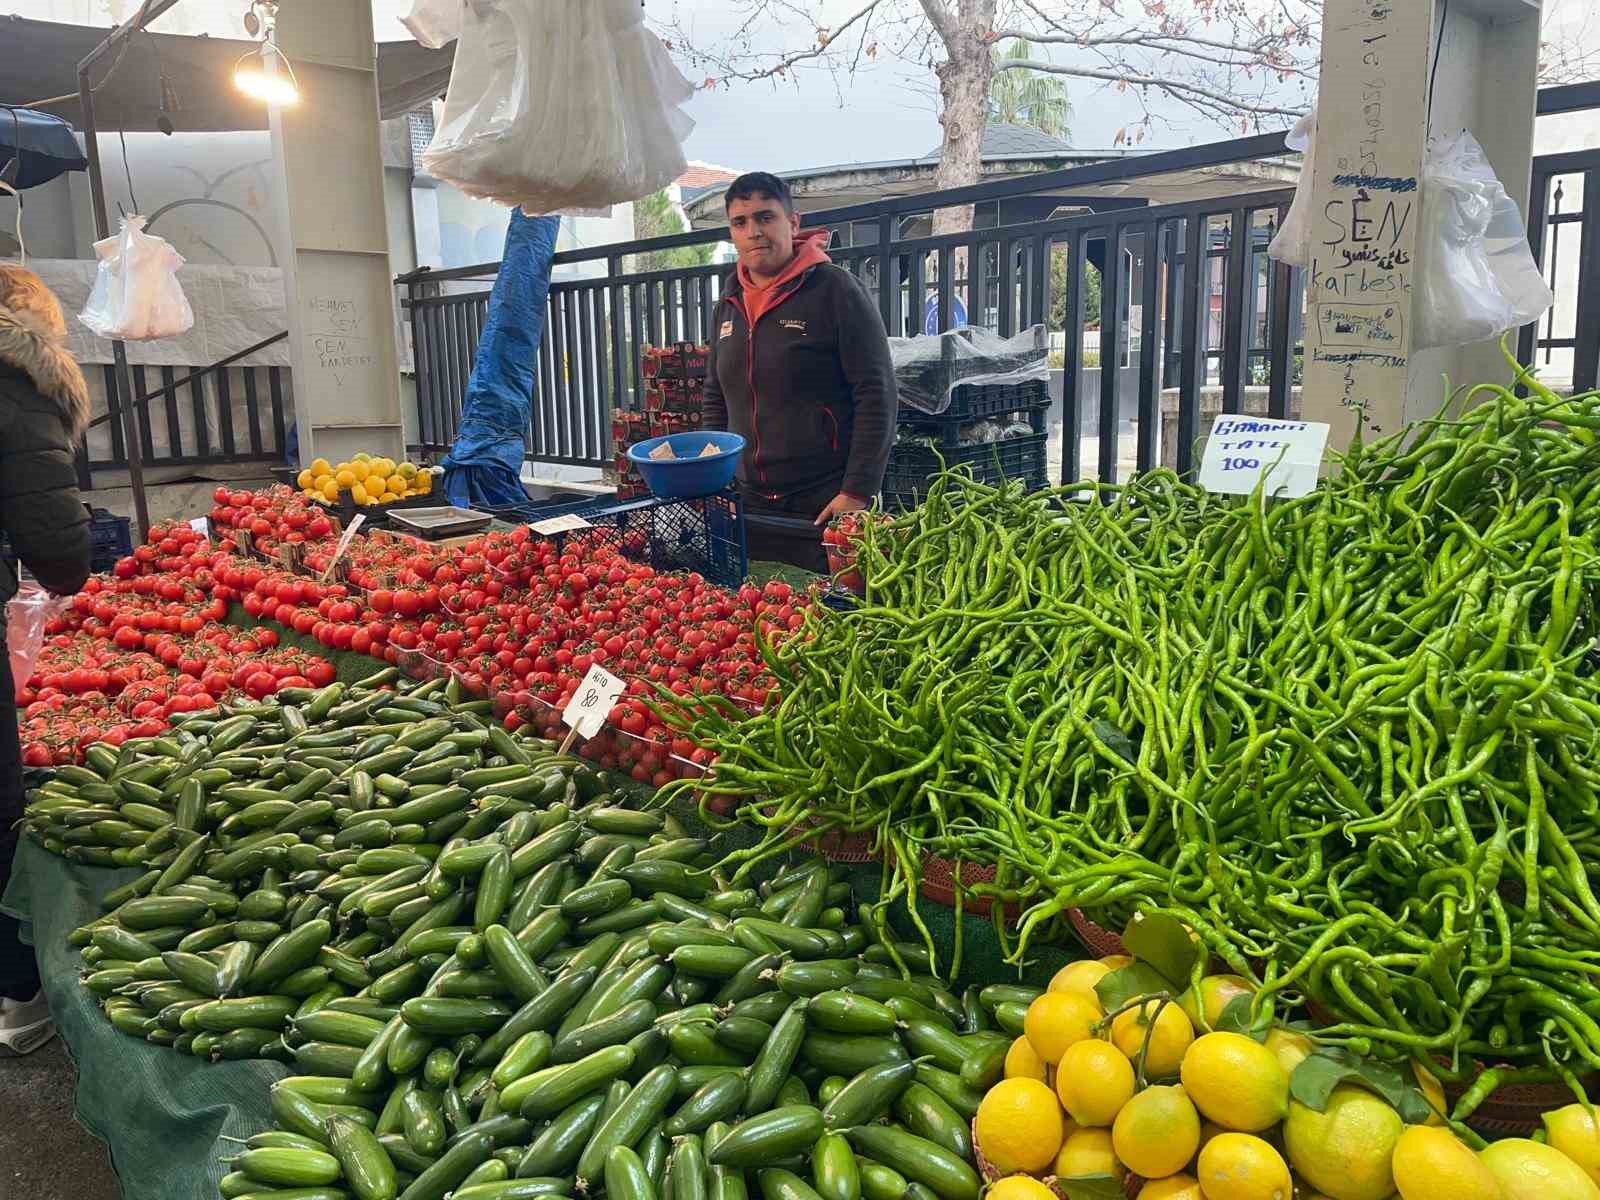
(750, 366)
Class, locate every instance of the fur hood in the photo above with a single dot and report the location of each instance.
(33, 340)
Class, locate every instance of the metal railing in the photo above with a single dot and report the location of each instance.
(1175, 343)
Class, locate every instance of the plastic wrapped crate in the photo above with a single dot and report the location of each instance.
(911, 468)
(973, 402)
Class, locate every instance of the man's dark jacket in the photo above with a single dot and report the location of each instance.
(811, 389)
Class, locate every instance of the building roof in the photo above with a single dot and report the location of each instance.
(701, 175)
(1002, 141)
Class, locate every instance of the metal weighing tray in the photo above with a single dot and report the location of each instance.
(438, 523)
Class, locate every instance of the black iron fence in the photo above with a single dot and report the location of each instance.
(1168, 345)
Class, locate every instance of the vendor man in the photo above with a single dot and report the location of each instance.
(800, 369)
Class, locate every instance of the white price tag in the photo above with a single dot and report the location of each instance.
(562, 524)
(1242, 449)
(356, 522)
(593, 701)
(201, 526)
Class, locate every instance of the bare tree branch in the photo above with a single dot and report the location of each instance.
(1173, 86)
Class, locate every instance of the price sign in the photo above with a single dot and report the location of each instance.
(344, 544)
(562, 524)
(200, 525)
(1242, 449)
(586, 712)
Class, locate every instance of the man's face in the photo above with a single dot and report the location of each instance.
(763, 234)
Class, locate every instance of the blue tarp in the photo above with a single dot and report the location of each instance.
(484, 466)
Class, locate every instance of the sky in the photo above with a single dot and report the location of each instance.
(886, 109)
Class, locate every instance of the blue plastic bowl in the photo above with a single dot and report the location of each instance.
(688, 475)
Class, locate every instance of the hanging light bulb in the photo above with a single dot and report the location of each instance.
(266, 74)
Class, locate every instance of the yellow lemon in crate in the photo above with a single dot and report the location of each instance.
(1157, 1132)
(382, 466)
(1020, 1187)
(1236, 1082)
(1345, 1150)
(1088, 1154)
(1204, 1001)
(1434, 1164)
(361, 470)
(397, 485)
(1572, 1131)
(1079, 977)
(1056, 1020)
(330, 490)
(362, 457)
(1164, 1027)
(1527, 1170)
(1023, 1061)
(1289, 1048)
(407, 470)
(1094, 1080)
(358, 493)
(1019, 1125)
(305, 479)
(1240, 1166)
(1173, 1187)
(345, 477)
(424, 483)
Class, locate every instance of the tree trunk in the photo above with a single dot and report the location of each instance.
(964, 87)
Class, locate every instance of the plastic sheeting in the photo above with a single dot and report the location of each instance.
(927, 370)
(484, 466)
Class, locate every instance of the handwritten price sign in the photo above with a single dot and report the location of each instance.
(1241, 450)
(586, 712)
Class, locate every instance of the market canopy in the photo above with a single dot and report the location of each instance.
(41, 61)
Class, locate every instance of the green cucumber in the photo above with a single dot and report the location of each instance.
(642, 1109)
(919, 1160)
(554, 1088)
(834, 1170)
(767, 1137)
(718, 1099)
(555, 1151)
(626, 1177)
(925, 1113)
(869, 1095)
(777, 1056)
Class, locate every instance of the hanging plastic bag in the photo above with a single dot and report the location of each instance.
(27, 616)
(434, 23)
(560, 106)
(1476, 277)
(1292, 243)
(136, 295)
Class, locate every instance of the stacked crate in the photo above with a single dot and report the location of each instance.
(926, 444)
(674, 400)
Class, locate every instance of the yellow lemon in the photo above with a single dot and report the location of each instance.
(358, 493)
(1432, 1092)
(361, 458)
(383, 466)
(304, 479)
(1432, 1163)
(1023, 1061)
(1345, 1149)
(395, 484)
(1094, 1080)
(1157, 1132)
(1019, 1125)
(1019, 1187)
(1572, 1131)
(1166, 1029)
(361, 471)
(1173, 1187)
(1240, 1166)
(330, 490)
(1236, 1082)
(1080, 977)
(1528, 1170)
(1289, 1048)
(1112, 962)
(320, 466)
(1203, 1003)
(1058, 1019)
(345, 477)
(1088, 1154)
(407, 470)
(424, 483)
(387, 498)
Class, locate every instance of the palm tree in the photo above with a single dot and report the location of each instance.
(1029, 98)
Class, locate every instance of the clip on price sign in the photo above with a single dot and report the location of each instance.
(1242, 449)
(344, 544)
(590, 705)
(562, 524)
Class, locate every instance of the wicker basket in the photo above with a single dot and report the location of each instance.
(1100, 941)
(1515, 1109)
(1131, 1183)
(838, 846)
(939, 877)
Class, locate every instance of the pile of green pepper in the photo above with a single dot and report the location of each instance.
(1349, 738)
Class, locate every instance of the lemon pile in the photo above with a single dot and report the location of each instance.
(1199, 1114)
(369, 480)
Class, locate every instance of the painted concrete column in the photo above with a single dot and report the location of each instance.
(328, 161)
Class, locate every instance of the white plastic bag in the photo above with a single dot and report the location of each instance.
(434, 23)
(1292, 243)
(1476, 277)
(27, 615)
(136, 295)
(560, 105)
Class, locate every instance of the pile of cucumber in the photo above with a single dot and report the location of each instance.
(495, 980)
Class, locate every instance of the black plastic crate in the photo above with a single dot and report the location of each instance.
(705, 535)
(975, 401)
(947, 431)
(377, 515)
(911, 467)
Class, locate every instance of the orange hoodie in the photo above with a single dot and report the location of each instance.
(808, 253)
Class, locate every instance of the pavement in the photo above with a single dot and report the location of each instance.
(44, 1153)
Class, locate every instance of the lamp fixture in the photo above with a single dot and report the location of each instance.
(266, 74)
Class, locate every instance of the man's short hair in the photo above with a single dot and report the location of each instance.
(759, 184)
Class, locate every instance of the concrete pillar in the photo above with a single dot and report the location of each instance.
(1373, 127)
(328, 162)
